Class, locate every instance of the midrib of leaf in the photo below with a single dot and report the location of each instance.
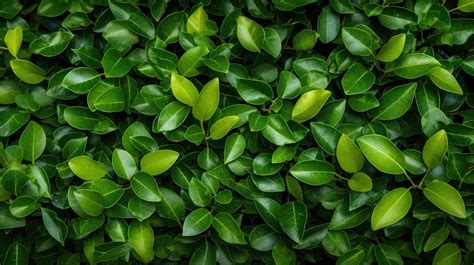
(146, 188)
(222, 225)
(168, 205)
(200, 219)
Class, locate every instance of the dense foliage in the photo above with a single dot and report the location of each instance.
(232, 131)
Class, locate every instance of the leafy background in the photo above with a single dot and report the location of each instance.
(231, 131)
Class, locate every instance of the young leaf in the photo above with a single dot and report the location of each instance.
(32, 141)
(391, 208)
(382, 153)
(86, 168)
(435, 148)
(445, 197)
(392, 49)
(184, 90)
(309, 104)
(250, 34)
(207, 101)
(13, 40)
(348, 155)
(222, 126)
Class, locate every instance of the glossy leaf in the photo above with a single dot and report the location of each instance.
(391, 208)
(27, 71)
(445, 197)
(250, 34)
(382, 153)
(309, 104)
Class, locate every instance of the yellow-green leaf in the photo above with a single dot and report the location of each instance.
(207, 101)
(27, 71)
(360, 182)
(445, 197)
(158, 161)
(13, 40)
(309, 104)
(392, 49)
(222, 126)
(443, 79)
(184, 90)
(391, 208)
(435, 148)
(86, 168)
(250, 34)
(348, 155)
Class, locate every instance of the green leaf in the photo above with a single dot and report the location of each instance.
(305, 39)
(391, 208)
(171, 205)
(189, 62)
(159, 161)
(234, 147)
(221, 127)
(228, 229)
(448, 253)
(395, 102)
(395, 17)
(114, 65)
(82, 118)
(386, 254)
(414, 65)
(343, 218)
(172, 116)
(357, 41)
(289, 86)
(135, 20)
(16, 254)
(250, 34)
(23, 206)
(443, 79)
(382, 153)
(293, 217)
(123, 164)
(32, 141)
(197, 222)
(263, 238)
(81, 80)
(205, 254)
(328, 24)
(184, 90)
(111, 251)
(435, 148)
(255, 92)
(7, 220)
(198, 23)
(86, 168)
(54, 225)
(207, 101)
(313, 172)
(269, 209)
(13, 39)
(145, 187)
(272, 42)
(141, 239)
(336, 243)
(309, 104)
(348, 155)
(199, 193)
(52, 44)
(466, 6)
(360, 182)
(392, 49)
(290, 5)
(90, 201)
(357, 80)
(27, 71)
(445, 197)
(436, 239)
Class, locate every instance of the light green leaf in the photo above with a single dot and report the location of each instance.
(448, 253)
(445, 197)
(172, 116)
(414, 65)
(391, 208)
(86, 168)
(443, 79)
(360, 182)
(123, 164)
(309, 104)
(250, 34)
(221, 127)
(184, 90)
(27, 71)
(382, 153)
(13, 40)
(435, 148)
(395, 102)
(159, 161)
(348, 155)
(207, 101)
(357, 41)
(145, 187)
(392, 49)
(141, 238)
(234, 147)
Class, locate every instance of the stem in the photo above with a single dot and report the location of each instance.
(341, 177)
(423, 179)
(409, 179)
(3, 48)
